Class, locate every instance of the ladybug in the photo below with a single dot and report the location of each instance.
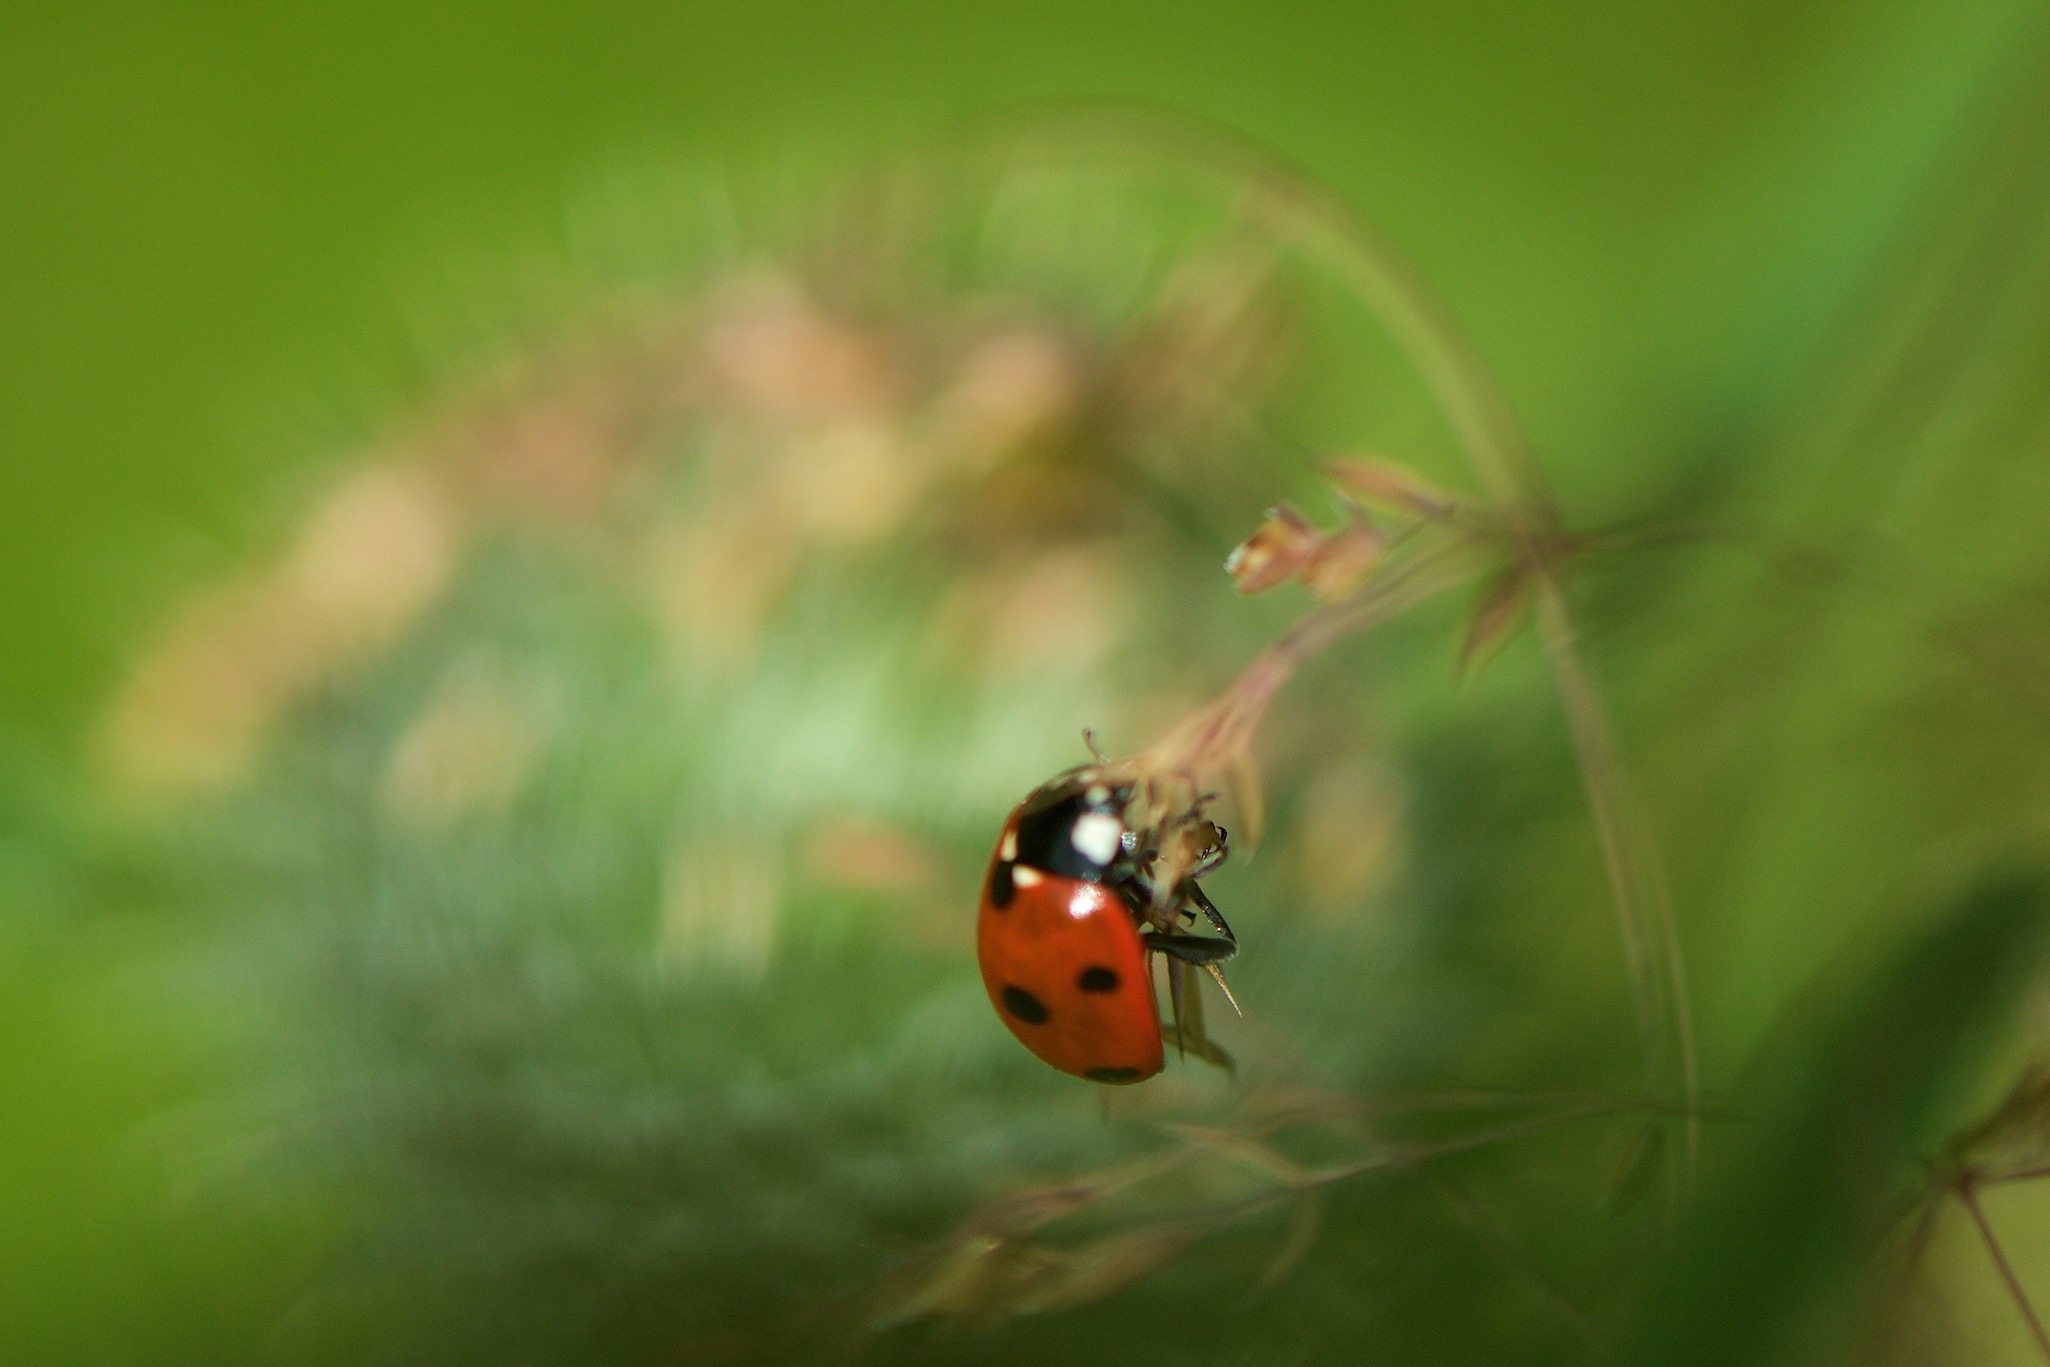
(1065, 934)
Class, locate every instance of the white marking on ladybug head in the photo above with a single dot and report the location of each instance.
(1098, 836)
(1008, 849)
(1097, 795)
(1026, 876)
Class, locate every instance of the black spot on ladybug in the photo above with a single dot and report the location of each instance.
(1098, 980)
(1001, 888)
(1113, 1074)
(1024, 1006)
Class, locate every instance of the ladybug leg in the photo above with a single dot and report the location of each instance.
(1141, 893)
(1136, 887)
(1203, 951)
(1210, 913)
(1209, 909)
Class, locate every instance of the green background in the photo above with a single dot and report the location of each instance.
(220, 220)
(225, 235)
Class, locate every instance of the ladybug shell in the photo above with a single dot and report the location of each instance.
(1065, 968)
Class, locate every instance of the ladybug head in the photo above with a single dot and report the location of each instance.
(1075, 826)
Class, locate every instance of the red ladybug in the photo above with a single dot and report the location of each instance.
(1063, 936)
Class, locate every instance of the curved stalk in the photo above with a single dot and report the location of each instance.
(1308, 216)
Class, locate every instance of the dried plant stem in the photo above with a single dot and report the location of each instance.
(1968, 1193)
(1508, 472)
(2018, 1175)
(1302, 212)
(1644, 913)
(945, 1279)
(1398, 1158)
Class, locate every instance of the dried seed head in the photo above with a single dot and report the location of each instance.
(1342, 560)
(1277, 551)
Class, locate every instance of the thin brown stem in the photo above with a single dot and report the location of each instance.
(2017, 1175)
(1644, 914)
(1301, 211)
(1969, 1194)
(1396, 1159)
(1413, 1154)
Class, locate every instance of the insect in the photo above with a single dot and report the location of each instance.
(1071, 916)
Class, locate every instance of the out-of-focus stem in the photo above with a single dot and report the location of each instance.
(1636, 880)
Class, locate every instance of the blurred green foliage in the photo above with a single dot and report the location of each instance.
(559, 952)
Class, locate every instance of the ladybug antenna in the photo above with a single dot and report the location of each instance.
(1089, 739)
